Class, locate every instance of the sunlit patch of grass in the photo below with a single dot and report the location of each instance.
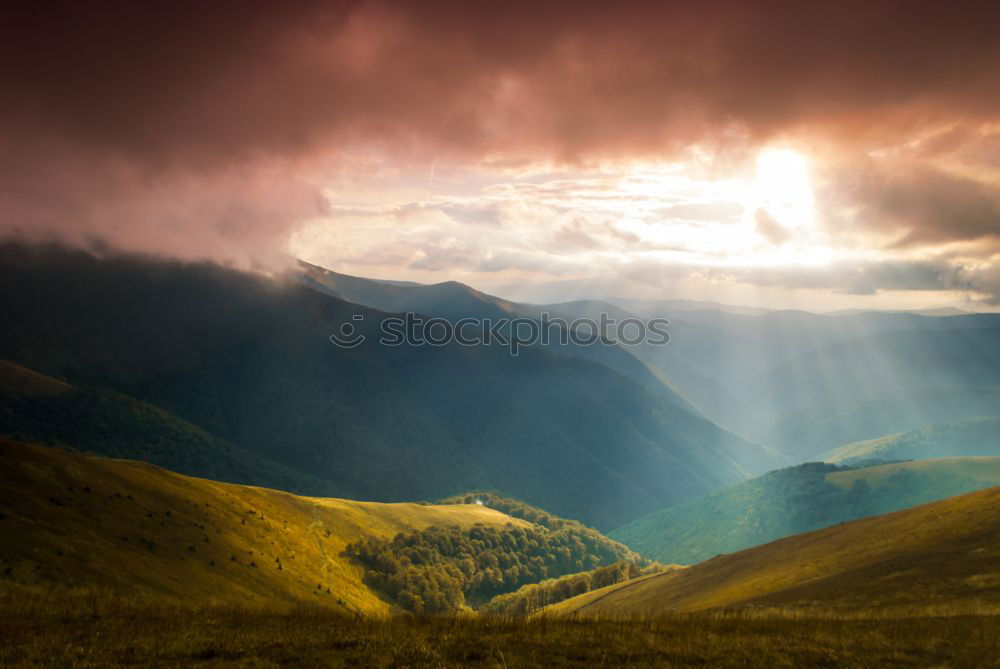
(69, 521)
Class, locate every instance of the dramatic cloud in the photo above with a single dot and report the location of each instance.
(221, 128)
(938, 189)
(209, 81)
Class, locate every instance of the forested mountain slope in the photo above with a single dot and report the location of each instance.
(247, 359)
(798, 499)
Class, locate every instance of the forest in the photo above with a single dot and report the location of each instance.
(105, 422)
(782, 502)
(442, 569)
(535, 596)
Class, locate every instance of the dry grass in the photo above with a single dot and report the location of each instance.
(69, 521)
(944, 554)
(117, 633)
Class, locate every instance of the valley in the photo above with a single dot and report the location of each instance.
(403, 334)
(224, 460)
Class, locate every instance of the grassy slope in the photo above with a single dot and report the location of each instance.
(946, 553)
(798, 499)
(23, 381)
(70, 522)
(970, 436)
(985, 469)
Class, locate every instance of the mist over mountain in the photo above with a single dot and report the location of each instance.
(805, 383)
(968, 436)
(880, 384)
(247, 358)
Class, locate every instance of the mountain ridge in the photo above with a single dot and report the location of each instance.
(969, 436)
(248, 359)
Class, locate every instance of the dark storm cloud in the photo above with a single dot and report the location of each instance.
(138, 121)
(228, 80)
(939, 207)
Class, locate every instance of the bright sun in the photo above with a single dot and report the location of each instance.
(781, 187)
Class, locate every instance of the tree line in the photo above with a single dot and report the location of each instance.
(535, 596)
(441, 569)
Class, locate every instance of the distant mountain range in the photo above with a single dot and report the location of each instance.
(247, 360)
(453, 301)
(798, 381)
(604, 433)
(806, 383)
(880, 384)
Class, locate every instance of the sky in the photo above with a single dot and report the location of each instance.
(814, 155)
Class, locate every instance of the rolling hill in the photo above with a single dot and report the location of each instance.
(247, 359)
(38, 408)
(944, 555)
(982, 470)
(72, 523)
(970, 436)
(798, 499)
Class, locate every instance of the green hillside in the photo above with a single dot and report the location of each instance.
(37, 408)
(443, 569)
(798, 499)
(942, 557)
(970, 436)
(981, 469)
